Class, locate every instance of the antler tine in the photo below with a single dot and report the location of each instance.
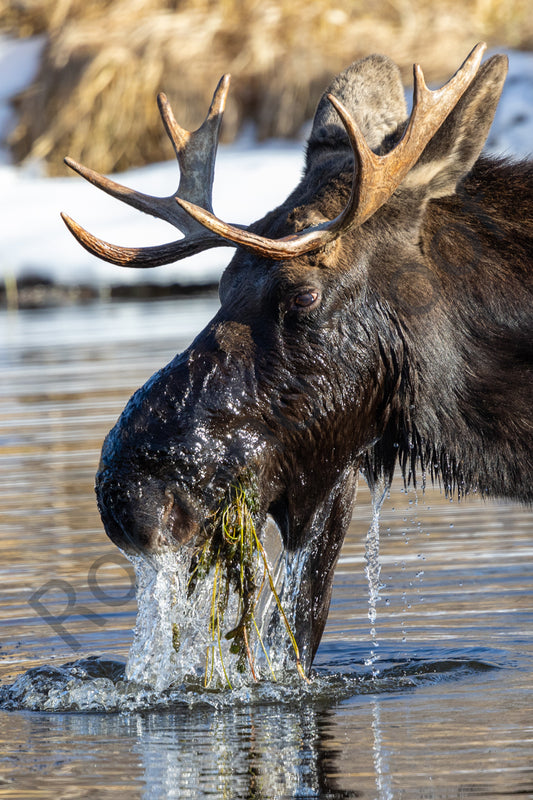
(196, 151)
(196, 154)
(380, 176)
(376, 177)
(161, 207)
(142, 257)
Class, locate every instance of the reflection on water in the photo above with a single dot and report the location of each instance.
(448, 715)
(381, 765)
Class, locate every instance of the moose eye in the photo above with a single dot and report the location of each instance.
(305, 299)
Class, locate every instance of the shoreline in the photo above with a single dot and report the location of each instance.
(37, 293)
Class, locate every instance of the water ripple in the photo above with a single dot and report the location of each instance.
(99, 685)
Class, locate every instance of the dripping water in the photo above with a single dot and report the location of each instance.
(378, 490)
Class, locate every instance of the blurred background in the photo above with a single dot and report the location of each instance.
(103, 63)
(81, 78)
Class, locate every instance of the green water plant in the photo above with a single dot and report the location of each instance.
(235, 557)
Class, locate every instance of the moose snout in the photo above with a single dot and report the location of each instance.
(147, 516)
(178, 519)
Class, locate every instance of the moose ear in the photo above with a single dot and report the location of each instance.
(371, 89)
(456, 146)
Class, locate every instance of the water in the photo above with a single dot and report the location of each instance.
(379, 491)
(436, 702)
(180, 637)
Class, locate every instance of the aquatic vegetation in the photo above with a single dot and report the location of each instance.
(235, 558)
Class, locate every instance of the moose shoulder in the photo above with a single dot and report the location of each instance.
(383, 313)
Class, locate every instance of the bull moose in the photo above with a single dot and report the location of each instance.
(381, 315)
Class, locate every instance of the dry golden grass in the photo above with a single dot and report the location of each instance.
(106, 60)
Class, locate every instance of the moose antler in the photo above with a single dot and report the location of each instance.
(375, 180)
(196, 153)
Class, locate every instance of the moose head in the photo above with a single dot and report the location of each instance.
(379, 315)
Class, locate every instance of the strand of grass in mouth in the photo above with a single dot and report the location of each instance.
(220, 652)
(258, 632)
(208, 677)
(264, 648)
(238, 537)
(280, 608)
(215, 632)
(240, 534)
(242, 497)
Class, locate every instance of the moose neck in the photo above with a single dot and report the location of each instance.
(459, 415)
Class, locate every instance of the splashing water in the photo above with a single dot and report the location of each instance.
(173, 642)
(188, 637)
(184, 637)
(99, 685)
(154, 657)
(373, 567)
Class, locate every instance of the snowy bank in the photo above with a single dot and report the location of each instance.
(250, 179)
(34, 241)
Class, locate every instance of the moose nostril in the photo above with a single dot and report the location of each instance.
(169, 504)
(178, 519)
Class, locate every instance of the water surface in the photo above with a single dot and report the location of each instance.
(437, 704)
